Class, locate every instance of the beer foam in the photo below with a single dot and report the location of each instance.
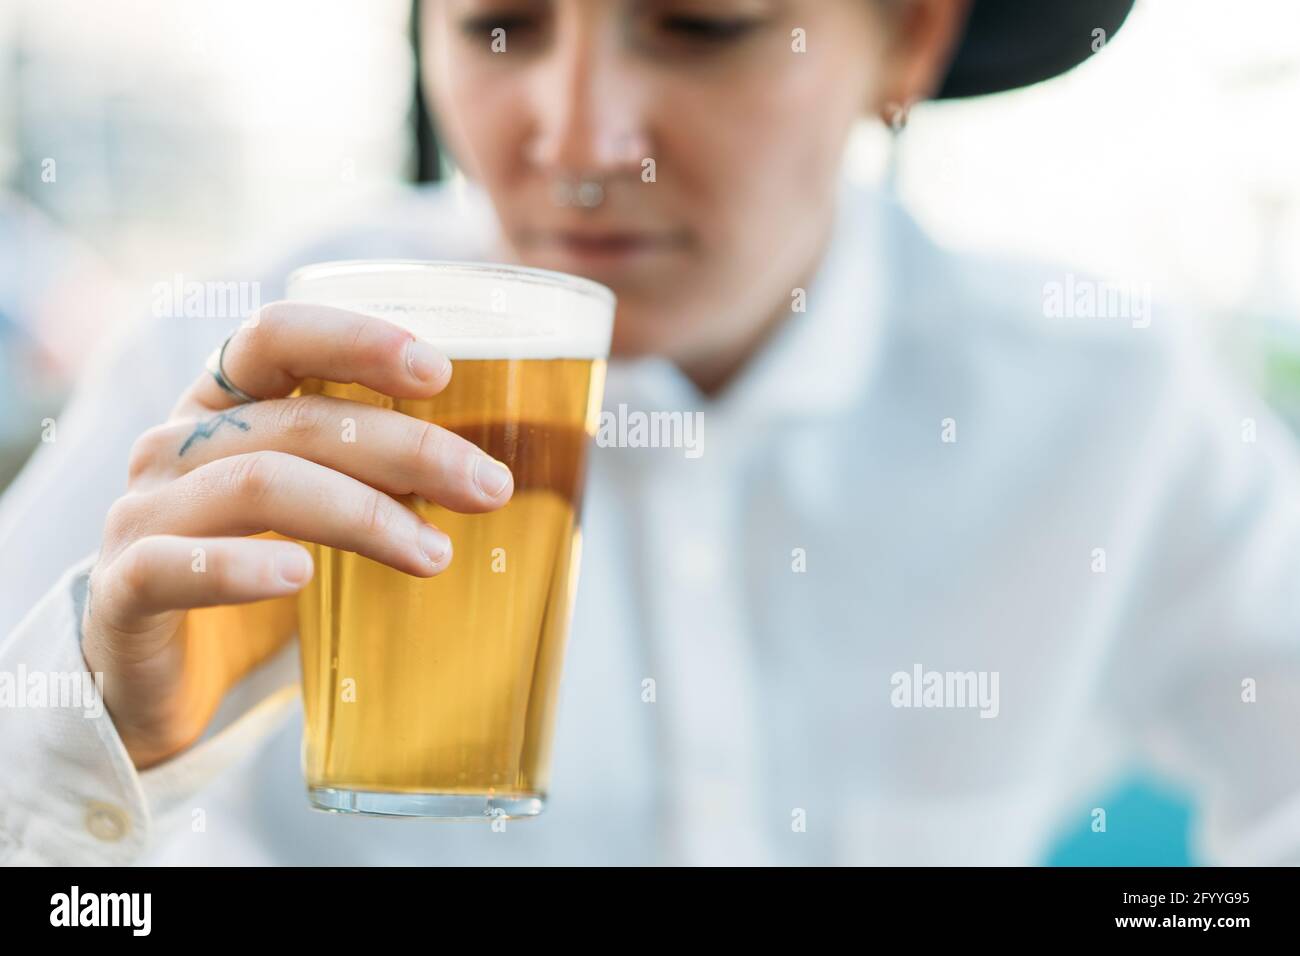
(471, 310)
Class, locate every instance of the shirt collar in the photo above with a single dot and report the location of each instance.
(816, 362)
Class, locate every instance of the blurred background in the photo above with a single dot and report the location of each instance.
(147, 139)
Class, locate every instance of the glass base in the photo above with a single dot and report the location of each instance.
(439, 806)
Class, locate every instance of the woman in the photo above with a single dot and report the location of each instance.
(941, 556)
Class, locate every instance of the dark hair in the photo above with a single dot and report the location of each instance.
(426, 167)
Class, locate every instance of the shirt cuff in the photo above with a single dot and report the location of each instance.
(69, 792)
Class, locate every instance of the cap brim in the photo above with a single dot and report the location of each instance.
(1013, 43)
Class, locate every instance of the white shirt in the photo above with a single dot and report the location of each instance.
(1100, 539)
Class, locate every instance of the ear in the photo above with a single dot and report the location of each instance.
(923, 40)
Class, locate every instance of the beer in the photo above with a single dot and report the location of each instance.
(437, 696)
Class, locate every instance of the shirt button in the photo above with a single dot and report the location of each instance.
(107, 822)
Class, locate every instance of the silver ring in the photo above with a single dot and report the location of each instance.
(216, 365)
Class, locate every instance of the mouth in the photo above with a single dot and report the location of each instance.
(606, 247)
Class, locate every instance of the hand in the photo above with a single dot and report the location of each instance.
(218, 472)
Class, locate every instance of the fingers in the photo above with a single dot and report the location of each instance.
(392, 452)
(285, 342)
(273, 491)
(159, 573)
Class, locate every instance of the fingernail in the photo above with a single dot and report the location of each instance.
(491, 476)
(424, 361)
(435, 545)
(294, 567)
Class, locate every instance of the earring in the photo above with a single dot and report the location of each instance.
(894, 115)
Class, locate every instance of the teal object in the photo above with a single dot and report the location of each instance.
(1147, 824)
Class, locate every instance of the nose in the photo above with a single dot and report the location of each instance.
(589, 107)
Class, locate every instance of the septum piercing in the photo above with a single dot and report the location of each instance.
(587, 192)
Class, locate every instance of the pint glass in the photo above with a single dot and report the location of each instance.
(436, 697)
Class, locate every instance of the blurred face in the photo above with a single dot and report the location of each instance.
(710, 143)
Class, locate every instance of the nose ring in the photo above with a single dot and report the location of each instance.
(587, 192)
